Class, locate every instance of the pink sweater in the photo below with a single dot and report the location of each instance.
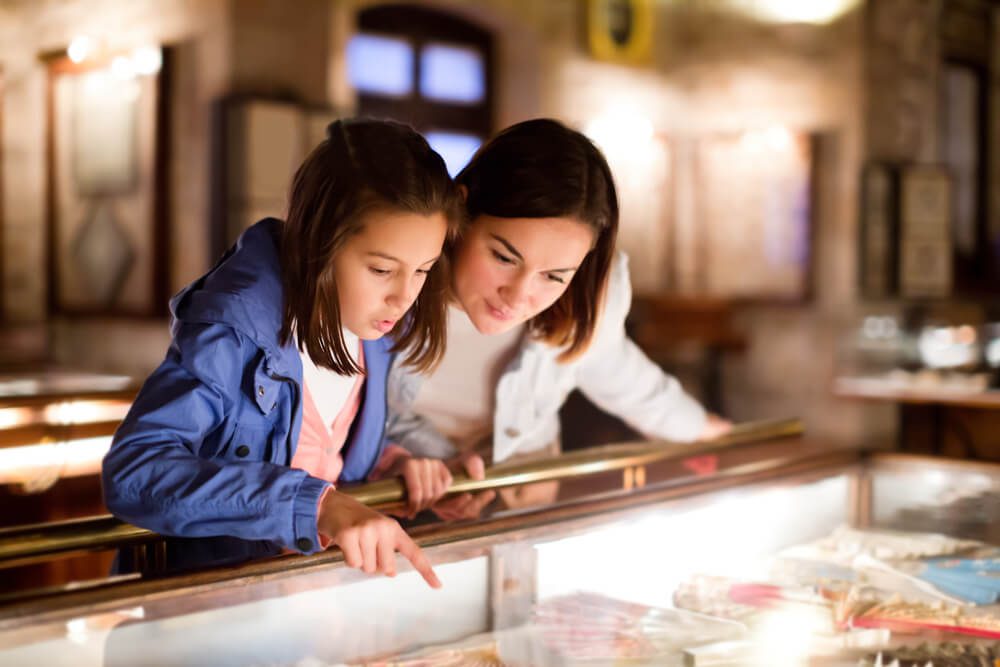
(319, 446)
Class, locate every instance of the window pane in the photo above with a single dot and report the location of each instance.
(380, 65)
(452, 74)
(456, 149)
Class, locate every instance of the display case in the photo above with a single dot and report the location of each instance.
(58, 425)
(636, 545)
(55, 427)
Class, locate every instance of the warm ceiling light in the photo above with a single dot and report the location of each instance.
(797, 11)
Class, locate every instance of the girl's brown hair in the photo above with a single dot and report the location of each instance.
(543, 169)
(363, 166)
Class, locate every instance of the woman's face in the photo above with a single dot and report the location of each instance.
(507, 270)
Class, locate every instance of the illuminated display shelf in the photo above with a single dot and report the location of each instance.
(633, 545)
(58, 421)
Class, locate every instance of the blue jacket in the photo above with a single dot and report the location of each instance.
(206, 447)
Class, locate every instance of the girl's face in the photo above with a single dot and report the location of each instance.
(507, 270)
(380, 269)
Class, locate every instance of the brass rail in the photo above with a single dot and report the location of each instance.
(585, 462)
(22, 545)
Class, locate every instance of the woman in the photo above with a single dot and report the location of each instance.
(539, 299)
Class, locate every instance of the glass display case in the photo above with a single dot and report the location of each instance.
(57, 425)
(505, 575)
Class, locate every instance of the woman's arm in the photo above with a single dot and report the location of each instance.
(619, 378)
(410, 430)
(153, 476)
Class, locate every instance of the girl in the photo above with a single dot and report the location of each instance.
(228, 436)
(539, 300)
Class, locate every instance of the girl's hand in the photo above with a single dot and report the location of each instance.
(426, 481)
(466, 505)
(715, 427)
(368, 539)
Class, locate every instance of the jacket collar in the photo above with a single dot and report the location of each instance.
(243, 291)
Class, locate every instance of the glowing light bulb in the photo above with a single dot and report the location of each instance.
(147, 60)
(80, 48)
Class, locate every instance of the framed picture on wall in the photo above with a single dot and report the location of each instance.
(107, 203)
(925, 240)
(621, 30)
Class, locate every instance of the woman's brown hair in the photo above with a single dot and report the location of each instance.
(362, 166)
(543, 169)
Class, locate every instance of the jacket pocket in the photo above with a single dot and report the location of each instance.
(250, 442)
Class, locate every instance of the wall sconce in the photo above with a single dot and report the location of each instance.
(81, 48)
(140, 61)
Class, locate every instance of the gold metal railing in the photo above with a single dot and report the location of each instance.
(586, 462)
(23, 545)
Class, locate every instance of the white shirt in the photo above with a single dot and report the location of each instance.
(613, 373)
(458, 399)
(330, 390)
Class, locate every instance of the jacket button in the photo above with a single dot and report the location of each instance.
(304, 544)
(242, 451)
(260, 390)
(511, 432)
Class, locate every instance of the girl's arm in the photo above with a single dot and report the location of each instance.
(619, 378)
(153, 476)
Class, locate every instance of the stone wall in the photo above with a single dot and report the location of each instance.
(221, 47)
(712, 70)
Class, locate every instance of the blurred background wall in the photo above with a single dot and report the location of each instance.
(738, 125)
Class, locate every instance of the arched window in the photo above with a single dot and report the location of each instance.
(426, 68)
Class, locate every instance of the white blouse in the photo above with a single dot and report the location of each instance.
(458, 399)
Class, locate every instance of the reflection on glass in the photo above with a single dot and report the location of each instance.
(993, 353)
(42, 464)
(948, 347)
(381, 65)
(456, 149)
(751, 524)
(452, 74)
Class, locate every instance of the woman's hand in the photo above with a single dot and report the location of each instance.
(466, 505)
(368, 539)
(715, 427)
(426, 481)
